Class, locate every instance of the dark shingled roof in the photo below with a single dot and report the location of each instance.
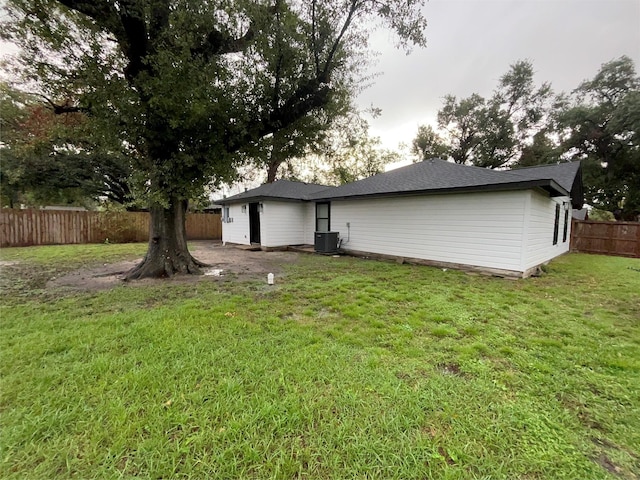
(430, 177)
(568, 175)
(440, 176)
(281, 189)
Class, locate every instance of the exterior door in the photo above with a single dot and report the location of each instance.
(254, 223)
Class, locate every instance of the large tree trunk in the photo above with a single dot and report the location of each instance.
(272, 170)
(167, 253)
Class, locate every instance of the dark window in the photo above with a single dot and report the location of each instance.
(566, 225)
(556, 225)
(323, 217)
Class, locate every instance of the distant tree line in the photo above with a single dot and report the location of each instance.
(49, 158)
(523, 124)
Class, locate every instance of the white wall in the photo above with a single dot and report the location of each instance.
(309, 223)
(503, 230)
(538, 244)
(283, 223)
(480, 229)
(236, 231)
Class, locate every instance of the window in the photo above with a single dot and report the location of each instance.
(566, 225)
(225, 215)
(556, 225)
(323, 217)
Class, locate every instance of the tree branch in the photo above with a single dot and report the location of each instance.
(309, 96)
(220, 43)
(278, 70)
(328, 66)
(159, 20)
(136, 45)
(66, 107)
(127, 25)
(102, 13)
(314, 40)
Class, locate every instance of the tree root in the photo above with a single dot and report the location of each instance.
(164, 268)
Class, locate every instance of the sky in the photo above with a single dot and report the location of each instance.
(472, 43)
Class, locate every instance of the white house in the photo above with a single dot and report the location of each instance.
(272, 215)
(506, 222)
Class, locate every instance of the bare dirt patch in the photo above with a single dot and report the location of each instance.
(226, 263)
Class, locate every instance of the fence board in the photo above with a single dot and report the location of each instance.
(20, 228)
(606, 238)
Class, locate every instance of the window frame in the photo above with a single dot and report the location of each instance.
(556, 225)
(327, 218)
(566, 226)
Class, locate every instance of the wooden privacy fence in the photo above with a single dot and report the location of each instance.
(606, 238)
(20, 228)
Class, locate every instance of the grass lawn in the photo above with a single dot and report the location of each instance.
(346, 368)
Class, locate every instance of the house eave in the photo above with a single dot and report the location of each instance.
(550, 186)
(261, 198)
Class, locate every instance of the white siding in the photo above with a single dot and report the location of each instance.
(539, 246)
(237, 231)
(283, 223)
(480, 229)
(309, 223)
(501, 230)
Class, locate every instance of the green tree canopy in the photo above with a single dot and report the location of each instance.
(600, 125)
(54, 159)
(344, 152)
(186, 85)
(488, 132)
(349, 153)
(428, 143)
(523, 125)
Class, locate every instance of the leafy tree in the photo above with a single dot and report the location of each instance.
(51, 159)
(491, 132)
(600, 125)
(186, 85)
(428, 144)
(13, 114)
(305, 136)
(464, 123)
(542, 150)
(345, 154)
(518, 112)
(601, 215)
(352, 154)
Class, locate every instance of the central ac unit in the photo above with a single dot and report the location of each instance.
(326, 242)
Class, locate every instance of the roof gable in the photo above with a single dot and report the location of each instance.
(567, 174)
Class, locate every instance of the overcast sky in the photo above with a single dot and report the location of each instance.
(471, 43)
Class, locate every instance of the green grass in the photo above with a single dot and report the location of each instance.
(76, 254)
(346, 368)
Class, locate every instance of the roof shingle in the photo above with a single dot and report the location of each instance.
(430, 176)
(440, 176)
(282, 189)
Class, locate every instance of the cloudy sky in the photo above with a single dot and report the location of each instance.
(471, 43)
